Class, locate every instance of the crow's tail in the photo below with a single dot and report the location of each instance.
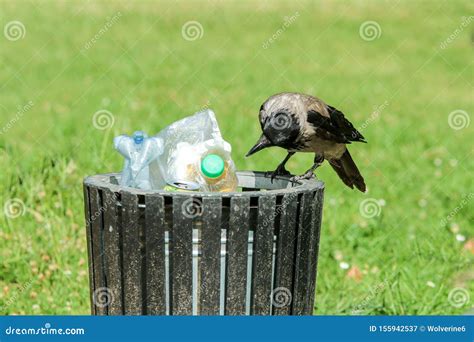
(347, 170)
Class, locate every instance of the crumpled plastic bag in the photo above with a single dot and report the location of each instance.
(185, 142)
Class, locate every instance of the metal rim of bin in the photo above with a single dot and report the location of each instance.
(181, 253)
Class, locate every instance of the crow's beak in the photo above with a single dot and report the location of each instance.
(262, 143)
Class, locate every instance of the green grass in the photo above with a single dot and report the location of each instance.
(147, 75)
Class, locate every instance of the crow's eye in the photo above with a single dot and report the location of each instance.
(282, 120)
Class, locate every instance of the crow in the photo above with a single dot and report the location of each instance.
(304, 123)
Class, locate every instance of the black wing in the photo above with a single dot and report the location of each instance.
(335, 128)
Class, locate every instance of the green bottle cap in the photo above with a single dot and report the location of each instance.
(212, 166)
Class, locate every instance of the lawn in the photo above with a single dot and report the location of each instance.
(401, 71)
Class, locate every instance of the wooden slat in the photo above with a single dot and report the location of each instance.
(181, 246)
(314, 247)
(209, 266)
(302, 256)
(155, 255)
(89, 246)
(97, 252)
(262, 257)
(284, 263)
(112, 254)
(132, 265)
(236, 261)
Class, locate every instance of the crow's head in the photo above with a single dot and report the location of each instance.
(280, 123)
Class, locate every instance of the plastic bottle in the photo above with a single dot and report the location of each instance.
(203, 167)
(218, 174)
(140, 153)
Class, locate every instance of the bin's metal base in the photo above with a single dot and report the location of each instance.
(202, 253)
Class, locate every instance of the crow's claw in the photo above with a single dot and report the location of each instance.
(307, 175)
(280, 171)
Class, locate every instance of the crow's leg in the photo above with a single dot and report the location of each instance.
(318, 160)
(280, 170)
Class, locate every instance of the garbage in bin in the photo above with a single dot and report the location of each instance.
(190, 155)
(139, 152)
(195, 156)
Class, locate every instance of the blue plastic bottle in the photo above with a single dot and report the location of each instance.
(139, 152)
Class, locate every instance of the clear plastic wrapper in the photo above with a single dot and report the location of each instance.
(195, 156)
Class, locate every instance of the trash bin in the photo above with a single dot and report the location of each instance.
(252, 252)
